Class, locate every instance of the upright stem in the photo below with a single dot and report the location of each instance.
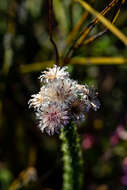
(50, 22)
(72, 158)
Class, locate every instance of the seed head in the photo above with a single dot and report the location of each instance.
(52, 118)
(54, 73)
(61, 100)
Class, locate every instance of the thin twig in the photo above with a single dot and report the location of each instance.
(78, 26)
(50, 22)
(104, 21)
(38, 66)
(84, 33)
(92, 38)
(115, 16)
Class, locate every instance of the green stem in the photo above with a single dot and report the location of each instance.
(72, 158)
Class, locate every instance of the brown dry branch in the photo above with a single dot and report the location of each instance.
(77, 27)
(105, 21)
(73, 33)
(84, 33)
(50, 22)
(115, 16)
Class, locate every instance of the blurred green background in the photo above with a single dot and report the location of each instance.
(31, 160)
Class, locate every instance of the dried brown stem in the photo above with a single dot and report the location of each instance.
(50, 22)
(77, 27)
(84, 33)
(115, 16)
(92, 38)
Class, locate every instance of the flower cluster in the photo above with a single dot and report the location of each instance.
(61, 100)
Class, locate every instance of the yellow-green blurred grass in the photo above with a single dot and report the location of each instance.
(104, 21)
(25, 178)
(92, 38)
(87, 29)
(60, 14)
(76, 29)
(98, 60)
(34, 67)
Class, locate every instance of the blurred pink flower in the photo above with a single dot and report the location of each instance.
(114, 139)
(121, 132)
(124, 165)
(119, 129)
(124, 179)
(88, 141)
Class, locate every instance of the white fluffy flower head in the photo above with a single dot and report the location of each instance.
(52, 118)
(62, 90)
(54, 73)
(61, 100)
(37, 99)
